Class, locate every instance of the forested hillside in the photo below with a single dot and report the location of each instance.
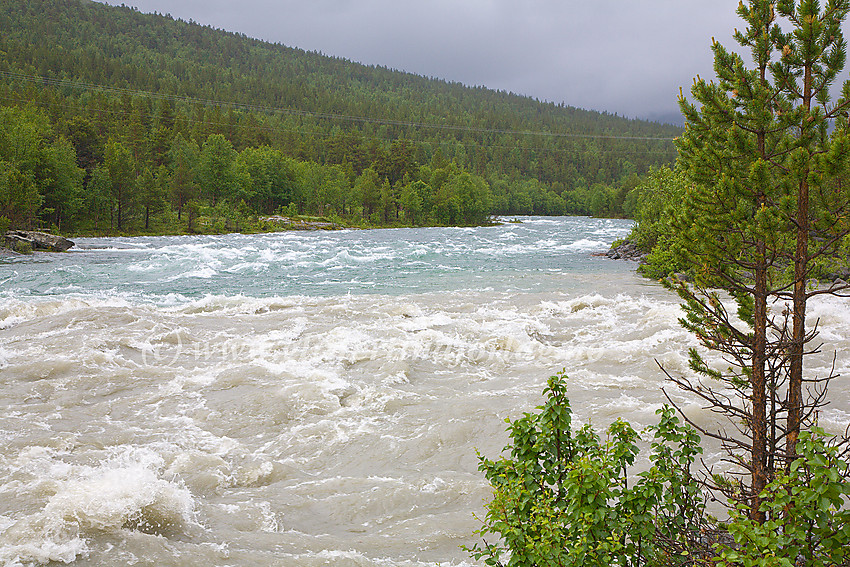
(116, 120)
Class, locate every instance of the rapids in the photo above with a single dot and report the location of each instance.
(306, 399)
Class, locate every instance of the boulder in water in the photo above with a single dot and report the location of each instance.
(37, 240)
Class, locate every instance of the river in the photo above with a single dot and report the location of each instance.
(306, 399)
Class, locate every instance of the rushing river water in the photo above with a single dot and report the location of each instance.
(306, 399)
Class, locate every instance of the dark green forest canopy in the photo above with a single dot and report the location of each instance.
(159, 87)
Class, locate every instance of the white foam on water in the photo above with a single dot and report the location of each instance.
(247, 267)
(237, 305)
(538, 221)
(4, 358)
(80, 502)
(587, 245)
(612, 231)
(205, 272)
(147, 266)
(16, 311)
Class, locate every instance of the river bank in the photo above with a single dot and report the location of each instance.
(260, 225)
(16, 242)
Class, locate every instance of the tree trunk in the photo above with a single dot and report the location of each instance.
(801, 264)
(760, 472)
(759, 451)
(798, 336)
(118, 214)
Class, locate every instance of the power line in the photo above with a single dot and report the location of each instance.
(81, 85)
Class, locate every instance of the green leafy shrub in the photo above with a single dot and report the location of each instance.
(808, 522)
(562, 497)
(664, 259)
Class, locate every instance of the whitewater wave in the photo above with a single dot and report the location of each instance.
(124, 493)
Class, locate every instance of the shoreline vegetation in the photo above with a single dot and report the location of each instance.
(212, 188)
(659, 240)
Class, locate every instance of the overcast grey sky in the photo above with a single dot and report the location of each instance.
(623, 56)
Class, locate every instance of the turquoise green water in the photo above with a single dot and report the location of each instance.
(533, 256)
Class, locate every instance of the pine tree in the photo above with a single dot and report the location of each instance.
(764, 171)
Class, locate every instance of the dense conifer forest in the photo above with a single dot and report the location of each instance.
(116, 121)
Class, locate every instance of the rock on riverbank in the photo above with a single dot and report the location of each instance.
(626, 250)
(297, 224)
(15, 239)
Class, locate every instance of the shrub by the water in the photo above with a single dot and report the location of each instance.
(566, 497)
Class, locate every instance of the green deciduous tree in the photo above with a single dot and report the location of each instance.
(217, 176)
(333, 195)
(19, 196)
(272, 177)
(473, 195)
(62, 182)
(369, 187)
(412, 202)
(119, 162)
(152, 190)
(97, 199)
(655, 201)
(40, 169)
